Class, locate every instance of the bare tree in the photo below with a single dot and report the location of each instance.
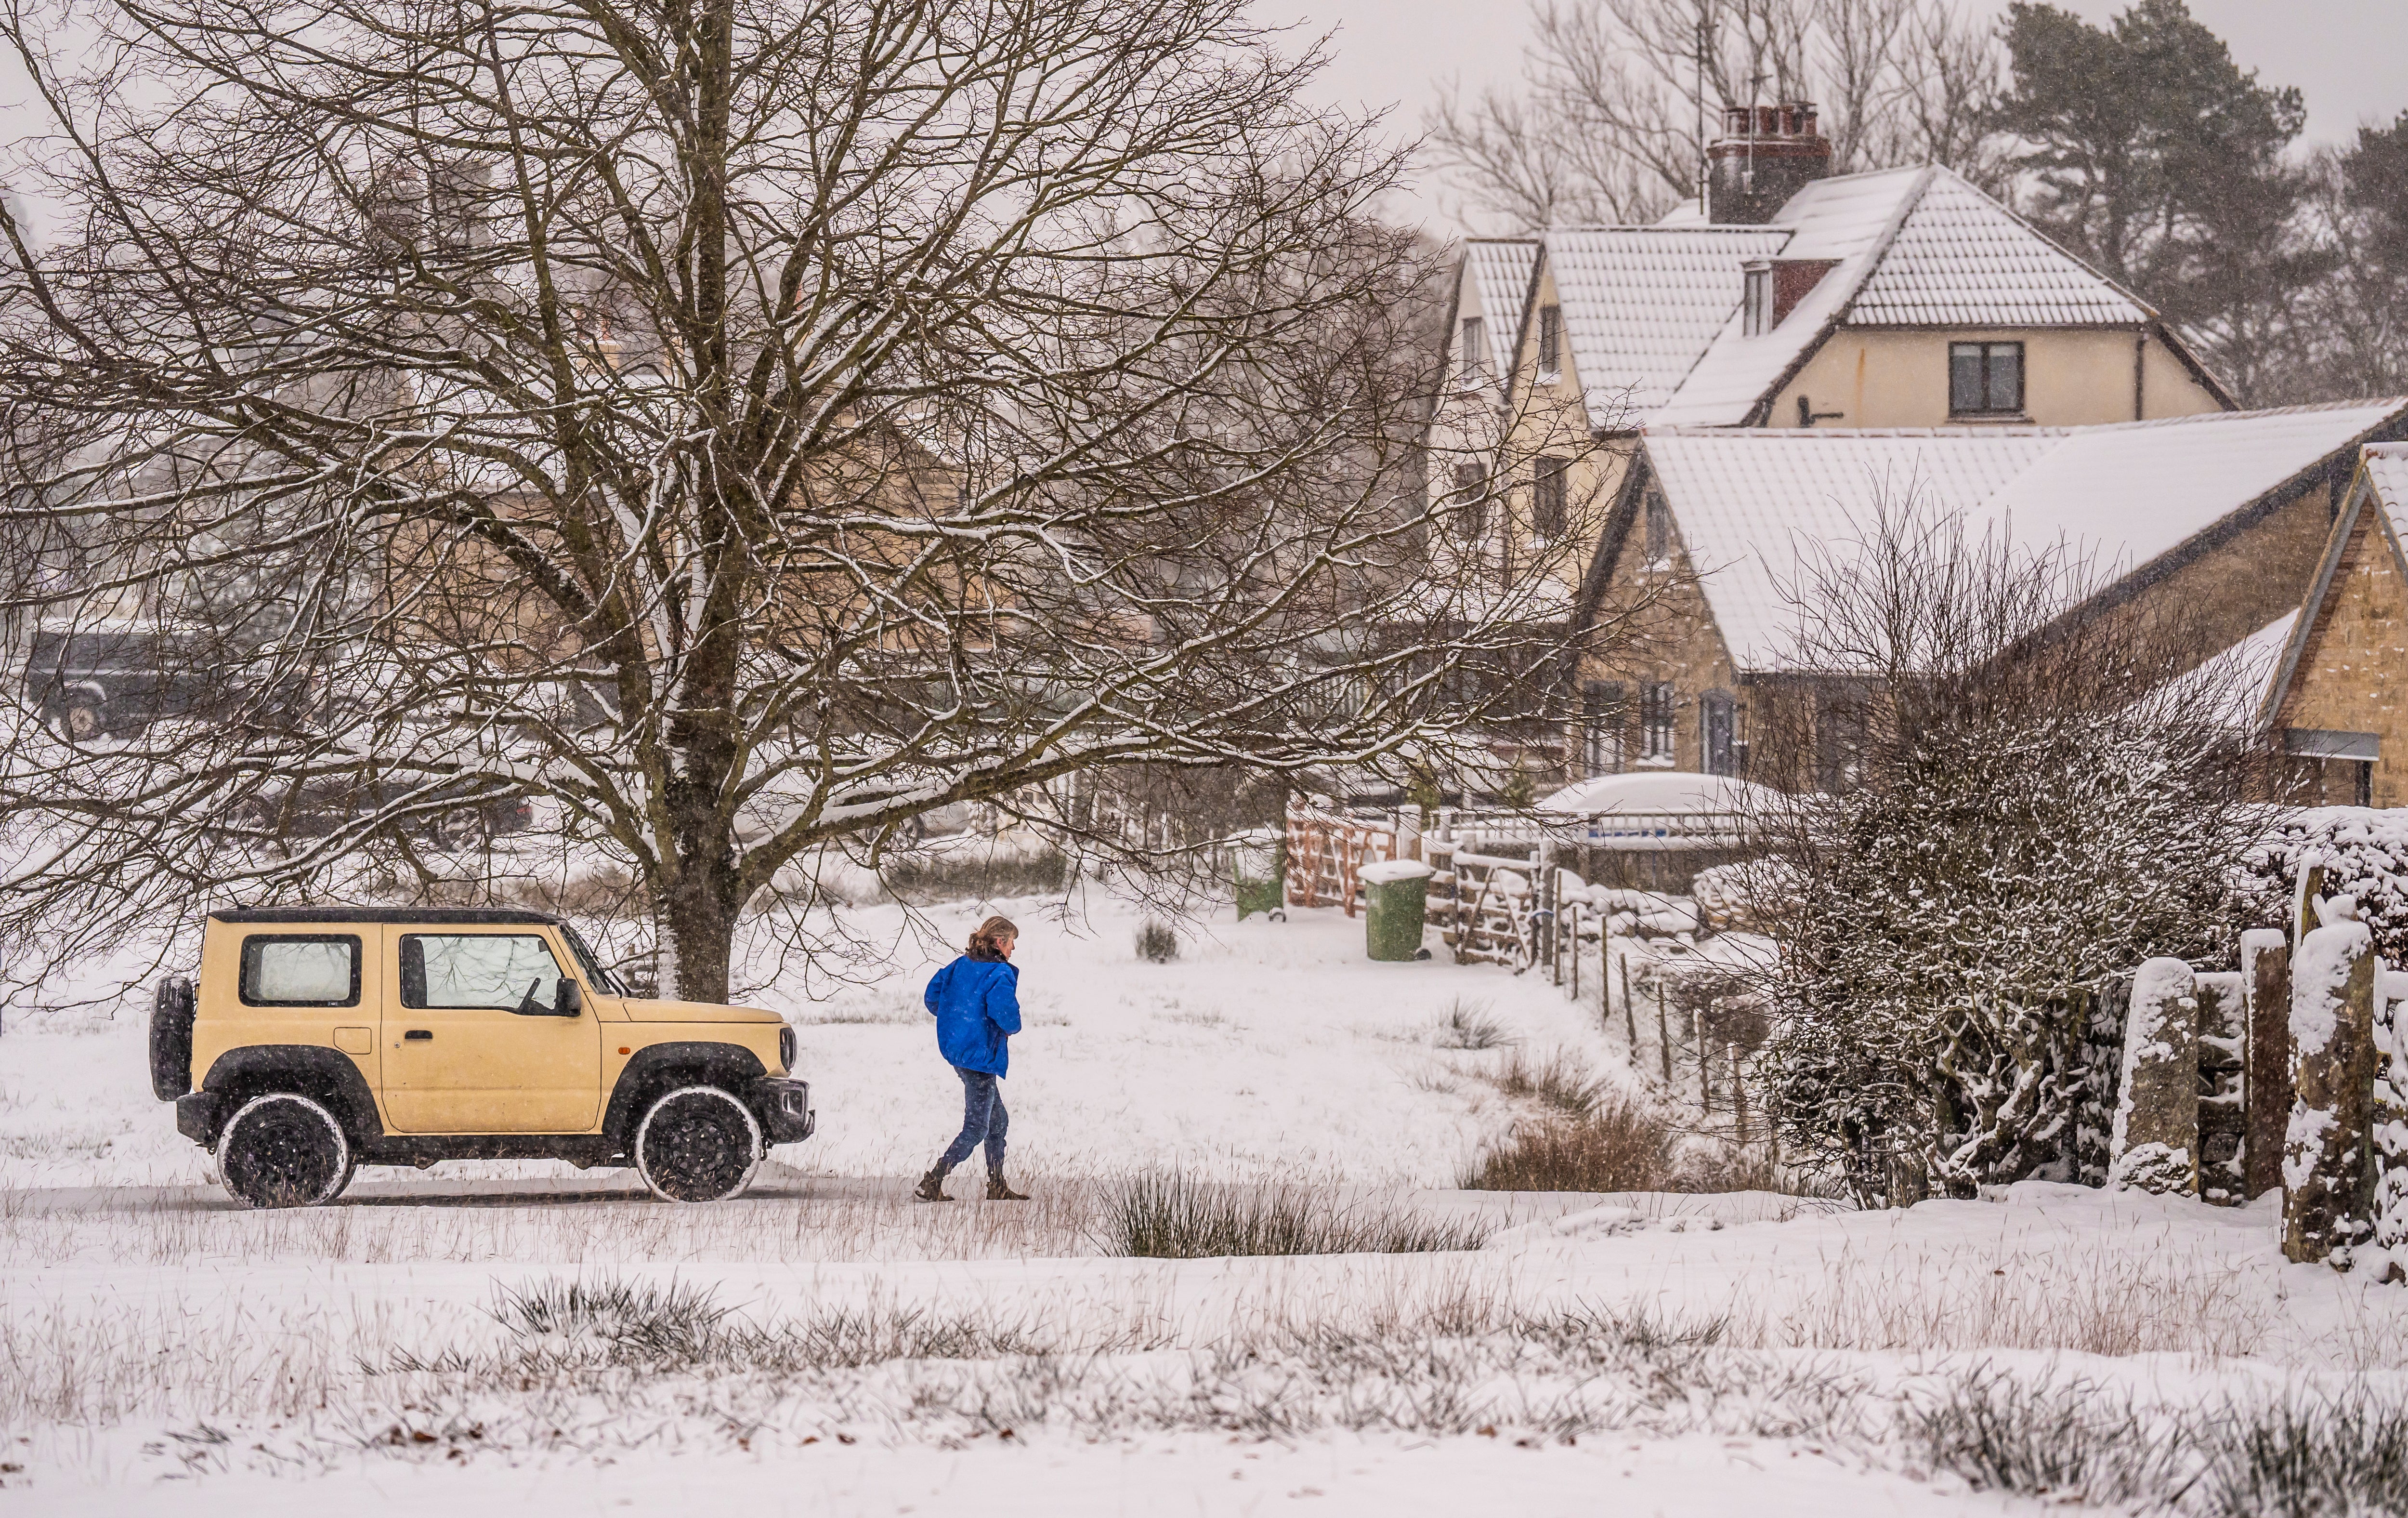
(727, 428)
(2029, 789)
(1605, 126)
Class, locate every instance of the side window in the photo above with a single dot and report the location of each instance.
(1659, 531)
(1470, 502)
(1548, 507)
(1655, 719)
(300, 969)
(503, 970)
(1550, 338)
(1602, 714)
(1474, 356)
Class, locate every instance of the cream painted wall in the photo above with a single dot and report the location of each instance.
(2071, 377)
(1550, 416)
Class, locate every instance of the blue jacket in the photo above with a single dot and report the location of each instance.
(977, 1006)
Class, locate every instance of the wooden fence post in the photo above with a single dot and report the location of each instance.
(1739, 1095)
(1630, 1011)
(2328, 1179)
(1663, 1036)
(1705, 1065)
(2266, 1063)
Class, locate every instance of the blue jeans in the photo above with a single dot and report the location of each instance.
(983, 1117)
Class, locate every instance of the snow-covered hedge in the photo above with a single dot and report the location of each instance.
(2365, 855)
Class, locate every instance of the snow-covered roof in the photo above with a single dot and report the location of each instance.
(1961, 259)
(2237, 680)
(1848, 220)
(1654, 793)
(2386, 475)
(1500, 268)
(1750, 506)
(1652, 313)
(1641, 303)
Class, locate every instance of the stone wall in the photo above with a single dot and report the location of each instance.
(2352, 675)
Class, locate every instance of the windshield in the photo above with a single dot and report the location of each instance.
(593, 970)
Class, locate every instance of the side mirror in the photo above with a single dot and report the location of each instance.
(569, 1000)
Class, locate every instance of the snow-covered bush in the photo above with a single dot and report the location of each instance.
(2365, 855)
(2025, 809)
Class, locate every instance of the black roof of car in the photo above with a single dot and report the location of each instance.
(382, 914)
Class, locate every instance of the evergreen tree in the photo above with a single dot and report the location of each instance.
(2153, 155)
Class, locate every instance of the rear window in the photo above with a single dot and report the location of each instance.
(301, 970)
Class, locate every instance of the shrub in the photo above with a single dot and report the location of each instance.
(1156, 942)
(1614, 1145)
(979, 874)
(1171, 1216)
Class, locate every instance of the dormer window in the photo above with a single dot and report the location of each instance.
(1756, 303)
(1472, 359)
(1551, 340)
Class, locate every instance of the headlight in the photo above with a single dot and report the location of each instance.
(786, 1050)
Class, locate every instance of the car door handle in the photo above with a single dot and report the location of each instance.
(419, 1033)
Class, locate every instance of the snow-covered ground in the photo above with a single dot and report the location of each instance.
(1744, 1354)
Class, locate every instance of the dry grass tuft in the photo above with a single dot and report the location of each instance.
(1469, 1025)
(1170, 1216)
(1617, 1145)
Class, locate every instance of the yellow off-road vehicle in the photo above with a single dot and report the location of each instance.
(326, 1038)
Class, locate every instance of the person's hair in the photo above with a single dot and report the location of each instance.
(988, 939)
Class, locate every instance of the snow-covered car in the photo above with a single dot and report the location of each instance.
(318, 1039)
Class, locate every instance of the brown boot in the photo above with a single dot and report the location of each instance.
(932, 1186)
(997, 1190)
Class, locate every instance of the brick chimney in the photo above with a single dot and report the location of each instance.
(1764, 155)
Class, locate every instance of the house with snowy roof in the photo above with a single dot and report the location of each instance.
(2223, 513)
(2337, 701)
(1795, 299)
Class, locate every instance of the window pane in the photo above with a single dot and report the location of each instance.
(1550, 326)
(2006, 377)
(1965, 387)
(478, 970)
(1470, 500)
(1659, 529)
(320, 971)
(1474, 338)
(1548, 518)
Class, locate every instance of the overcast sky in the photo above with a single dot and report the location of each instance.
(2348, 57)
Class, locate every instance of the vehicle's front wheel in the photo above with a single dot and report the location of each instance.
(283, 1151)
(698, 1144)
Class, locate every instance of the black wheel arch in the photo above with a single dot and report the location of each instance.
(326, 1075)
(657, 1069)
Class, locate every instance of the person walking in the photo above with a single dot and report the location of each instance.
(976, 1002)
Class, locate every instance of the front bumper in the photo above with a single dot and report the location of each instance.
(197, 1114)
(784, 1108)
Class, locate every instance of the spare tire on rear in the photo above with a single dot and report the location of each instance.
(171, 1039)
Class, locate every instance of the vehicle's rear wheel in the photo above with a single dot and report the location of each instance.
(283, 1151)
(698, 1144)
